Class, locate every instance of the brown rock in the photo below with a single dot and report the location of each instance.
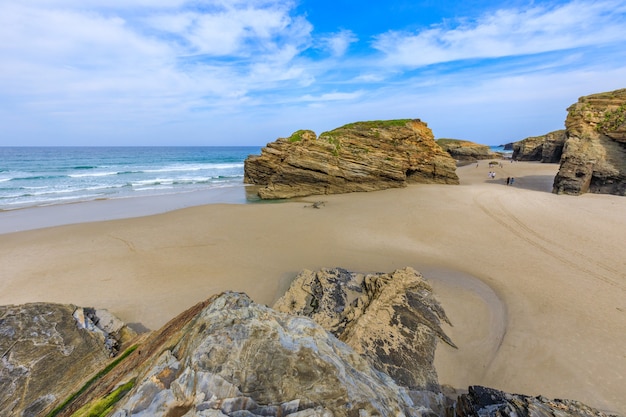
(547, 148)
(364, 156)
(463, 150)
(594, 155)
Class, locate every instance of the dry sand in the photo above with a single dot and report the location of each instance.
(534, 283)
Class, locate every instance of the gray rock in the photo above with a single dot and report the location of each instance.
(237, 358)
(392, 319)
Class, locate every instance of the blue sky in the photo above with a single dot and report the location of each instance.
(245, 72)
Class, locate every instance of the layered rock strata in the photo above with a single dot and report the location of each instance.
(392, 319)
(45, 344)
(463, 150)
(594, 155)
(547, 148)
(238, 358)
(364, 156)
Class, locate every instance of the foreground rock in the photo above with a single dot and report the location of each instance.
(392, 319)
(228, 356)
(44, 344)
(594, 156)
(487, 402)
(364, 156)
(463, 150)
(547, 148)
(238, 358)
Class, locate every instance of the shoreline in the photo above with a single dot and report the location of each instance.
(533, 283)
(103, 209)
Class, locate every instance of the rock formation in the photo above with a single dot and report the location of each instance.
(364, 156)
(238, 358)
(487, 402)
(463, 150)
(44, 344)
(228, 356)
(392, 319)
(594, 155)
(547, 148)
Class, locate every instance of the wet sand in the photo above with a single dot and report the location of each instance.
(534, 283)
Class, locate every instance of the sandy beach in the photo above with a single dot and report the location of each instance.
(534, 283)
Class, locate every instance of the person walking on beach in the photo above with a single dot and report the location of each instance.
(508, 180)
(512, 180)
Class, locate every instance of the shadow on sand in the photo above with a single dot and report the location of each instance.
(529, 182)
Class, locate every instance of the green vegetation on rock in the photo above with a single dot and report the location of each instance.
(612, 120)
(373, 124)
(96, 377)
(102, 406)
(297, 136)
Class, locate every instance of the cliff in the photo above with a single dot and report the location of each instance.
(594, 155)
(546, 148)
(363, 156)
(463, 150)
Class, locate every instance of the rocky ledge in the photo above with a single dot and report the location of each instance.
(594, 155)
(363, 156)
(547, 148)
(463, 150)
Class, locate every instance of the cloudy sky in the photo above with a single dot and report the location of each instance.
(244, 72)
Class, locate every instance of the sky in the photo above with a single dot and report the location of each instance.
(245, 72)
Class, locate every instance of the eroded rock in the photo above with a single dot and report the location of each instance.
(392, 319)
(594, 155)
(238, 358)
(488, 402)
(463, 150)
(547, 148)
(364, 156)
(42, 345)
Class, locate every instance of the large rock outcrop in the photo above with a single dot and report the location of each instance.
(463, 150)
(546, 148)
(594, 155)
(238, 358)
(392, 319)
(228, 356)
(49, 351)
(363, 156)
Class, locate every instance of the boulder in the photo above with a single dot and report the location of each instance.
(546, 148)
(487, 402)
(594, 155)
(43, 344)
(463, 150)
(363, 156)
(392, 319)
(238, 358)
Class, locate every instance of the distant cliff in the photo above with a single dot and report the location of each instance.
(546, 148)
(363, 156)
(594, 155)
(463, 150)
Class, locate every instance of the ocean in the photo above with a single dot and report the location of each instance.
(44, 176)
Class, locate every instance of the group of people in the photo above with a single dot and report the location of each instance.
(510, 180)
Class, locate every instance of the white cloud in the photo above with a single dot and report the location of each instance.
(338, 43)
(509, 32)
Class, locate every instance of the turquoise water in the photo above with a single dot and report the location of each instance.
(39, 176)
